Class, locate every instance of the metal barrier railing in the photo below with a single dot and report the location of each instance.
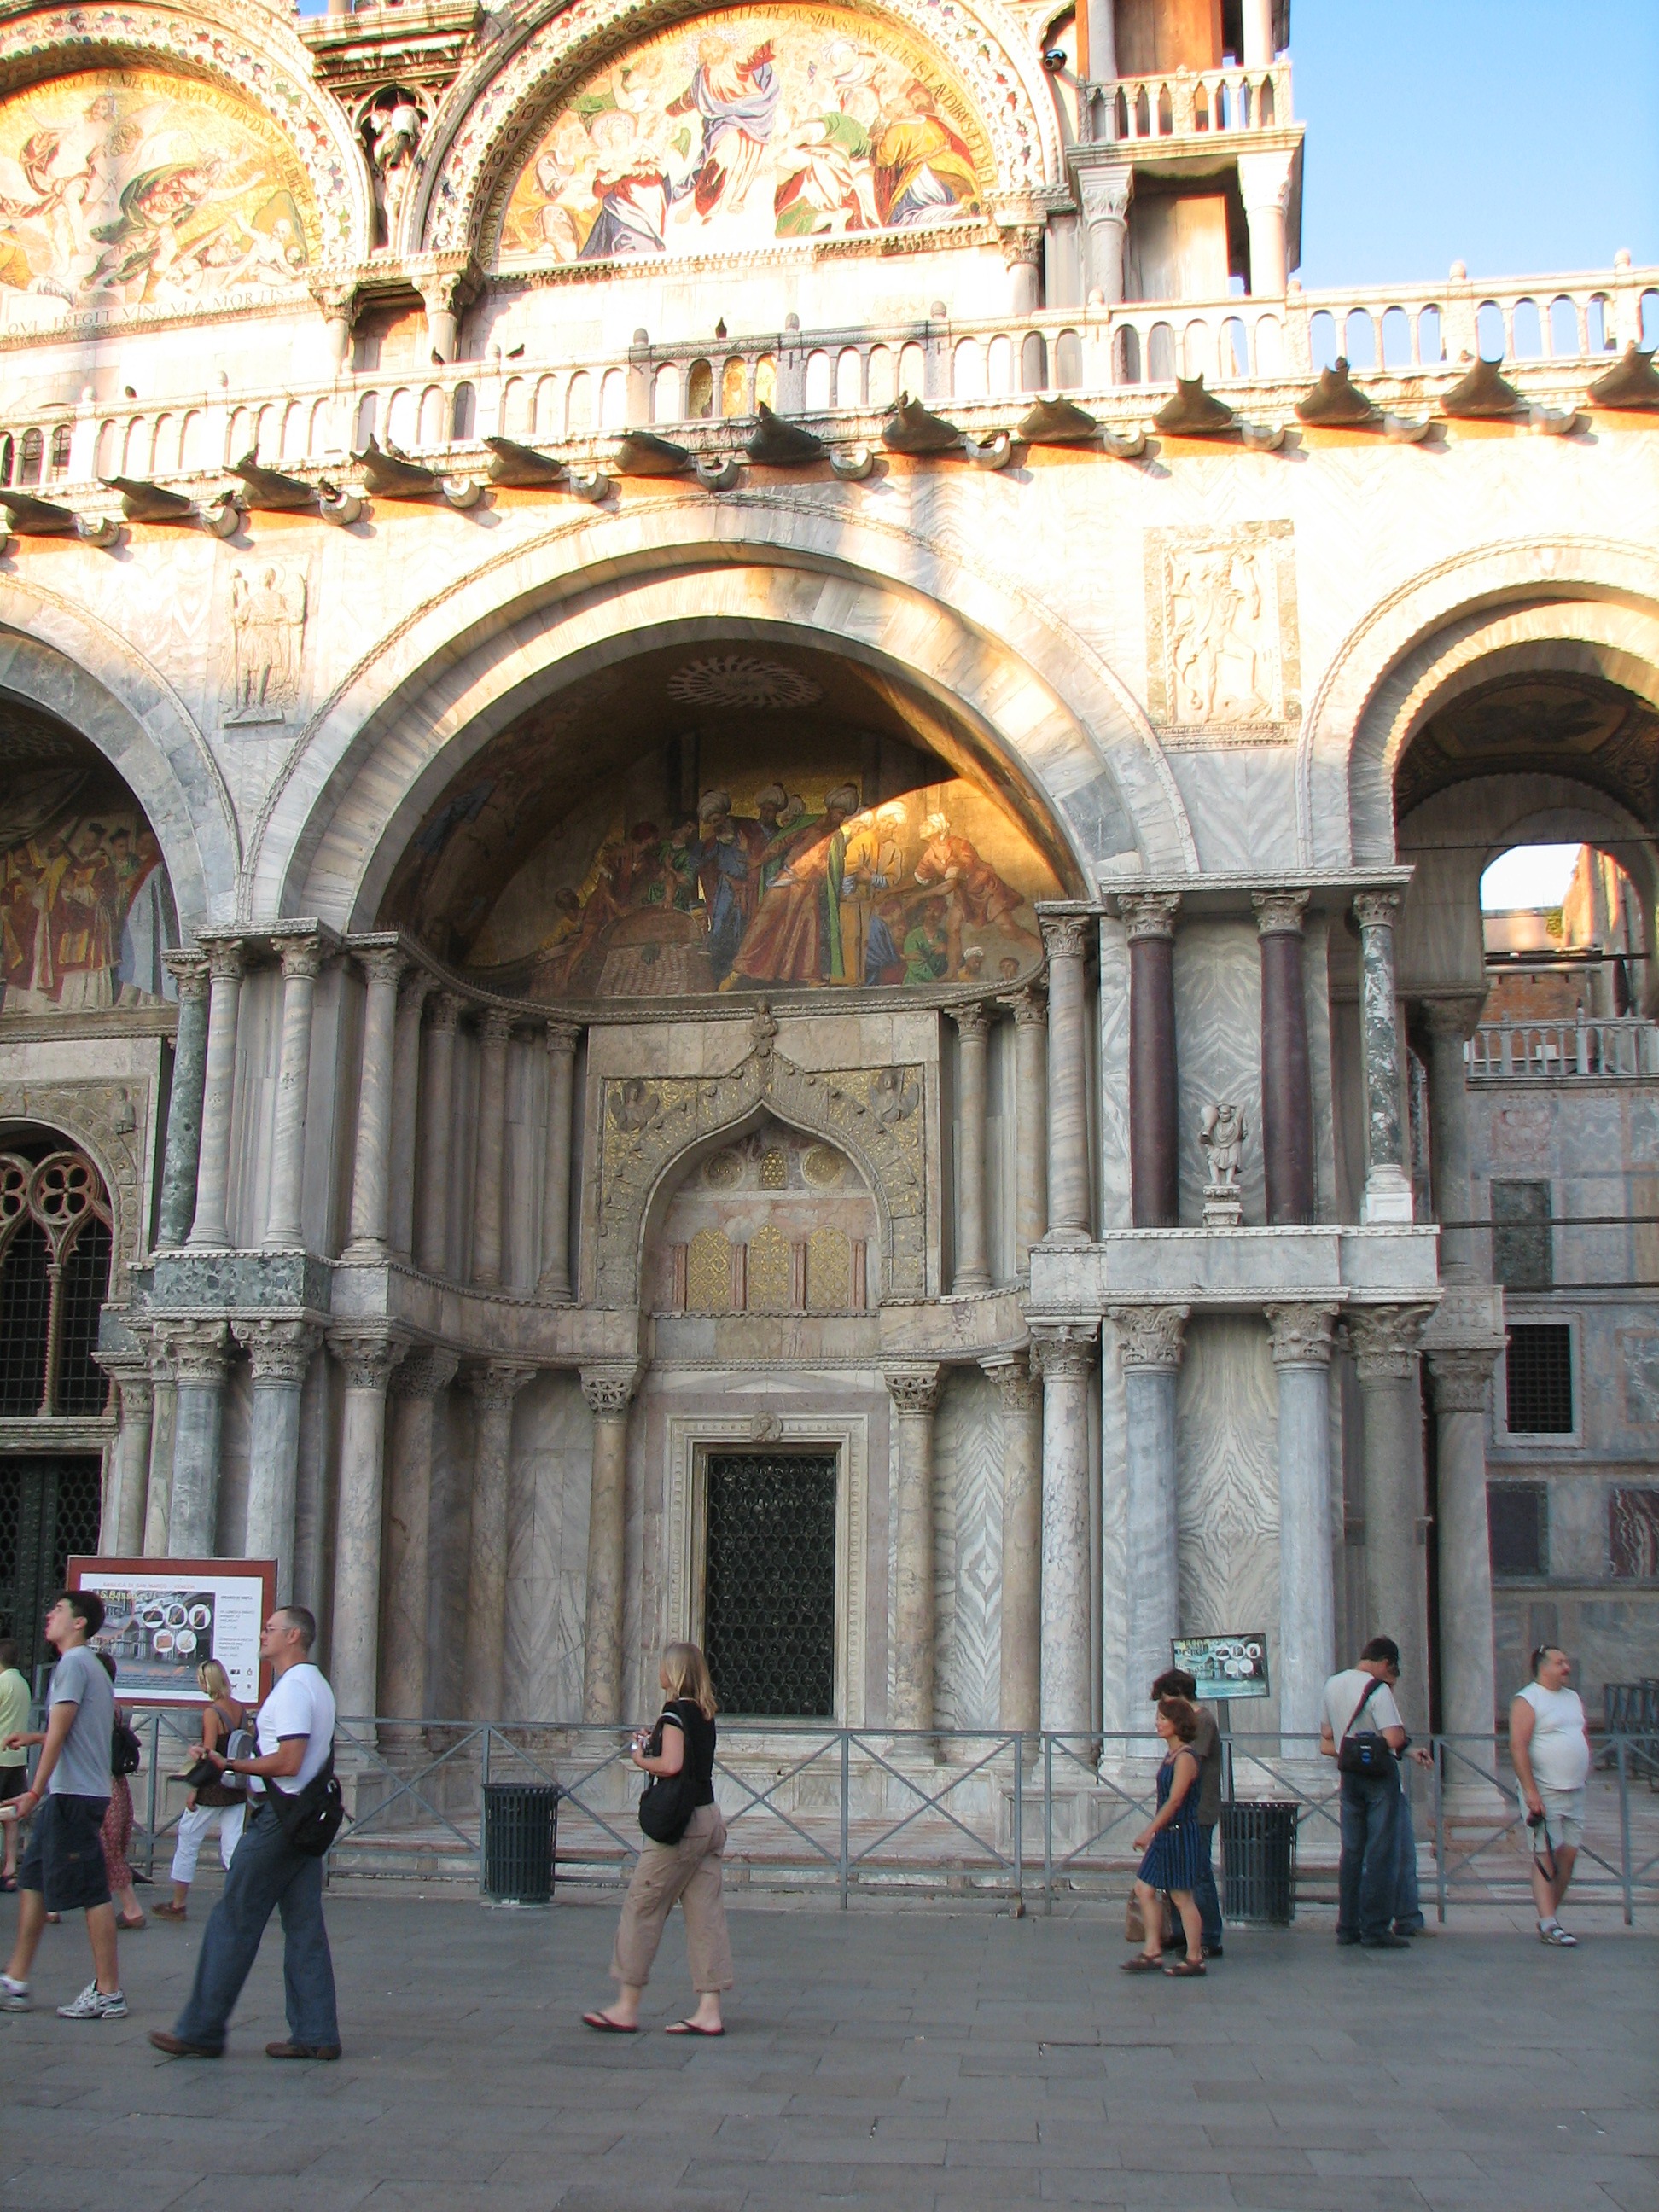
(948, 1809)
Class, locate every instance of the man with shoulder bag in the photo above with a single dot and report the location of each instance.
(1362, 1731)
(294, 1815)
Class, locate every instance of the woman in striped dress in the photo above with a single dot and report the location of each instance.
(1173, 1846)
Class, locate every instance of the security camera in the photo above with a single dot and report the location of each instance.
(1053, 59)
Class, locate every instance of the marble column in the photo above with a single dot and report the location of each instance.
(1067, 937)
(493, 1388)
(608, 1391)
(973, 1270)
(371, 1172)
(1151, 1339)
(1451, 1023)
(1030, 1122)
(437, 1137)
(405, 1110)
(1388, 1184)
(182, 1162)
(208, 1231)
(302, 961)
(124, 1531)
(366, 1358)
(1385, 1350)
(1149, 921)
(1019, 1702)
(1106, 195)
(1307, 1598)
(415, 1388)
(1460, 1381)
(164, 1423)
(561, 1043)
(1102, 15)
(280, 1353)
(1064, 1353)
(197, 1351)
(1264, 181)
(1259, 42)
(914, 1394)
(496, 1028)
(1287, 1138)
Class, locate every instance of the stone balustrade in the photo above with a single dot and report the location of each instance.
(1583, 1050)
(1185, 104)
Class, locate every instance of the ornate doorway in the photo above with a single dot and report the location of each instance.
(770, 1582)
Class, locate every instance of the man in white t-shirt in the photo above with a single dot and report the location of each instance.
(1550, 1750)
(295, 1736)
(1360, 1701)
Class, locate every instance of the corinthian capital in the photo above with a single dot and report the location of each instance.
(1067, 935)
(1385, 1341)
(190, 971)
(195, 1352)
(366, 1356)
(1460, 1378)
(427, 1370)
(1019, 1385)
(1063, 1351)
(608, 1390)
(1279, 913)
(1106, 194)
(913, 1391)
(499, 1383)
(1149, 914)
(278, 1350)
(1375, 909)
(1302, 1335)
(1151, 1336)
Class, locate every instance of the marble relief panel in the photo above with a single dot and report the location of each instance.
(1227, 1492)
(968, 1548)
(1218, 990)
(547, 1549)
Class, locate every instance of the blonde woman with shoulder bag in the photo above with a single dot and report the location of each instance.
(220, 1801)
(680, 1858)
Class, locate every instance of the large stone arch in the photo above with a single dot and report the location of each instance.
(242, 47)
(64, 660)
(493, 107)
(1588, 604)
(1049, 718)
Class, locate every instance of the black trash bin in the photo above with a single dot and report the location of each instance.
(520, 1827)
(1258, 1862)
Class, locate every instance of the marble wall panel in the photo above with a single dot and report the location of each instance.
(1218, 992)
(552, 1460)
(1241, 804)
(1227, 1495)
(967, 1549)
(253, 1109)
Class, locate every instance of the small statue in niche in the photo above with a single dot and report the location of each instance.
(392, 126)
(1221, 1132)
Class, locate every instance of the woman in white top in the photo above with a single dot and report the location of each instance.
(1550, 1748)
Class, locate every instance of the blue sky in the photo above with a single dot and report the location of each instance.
(1515, 136)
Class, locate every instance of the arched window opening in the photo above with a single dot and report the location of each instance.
(1359, 339)
(33, 446)
(462, 412)
(1125, 355)
(700, 390)
(1565, 960)
(8, 458)
(1322, 340)
(1529, 331)
(1068, 361)
(60, 450)
(25, 1307)
(1396, 339)
(1160, 354)
(55, 1254)
(734, 387)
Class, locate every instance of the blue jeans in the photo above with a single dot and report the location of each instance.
(1370, 1869)
(1204, 1896)
(266, 1871)
(1407, 1905)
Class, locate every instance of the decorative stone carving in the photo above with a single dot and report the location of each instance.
(423, 1372)
(1149, 914)
(913, 1391)
(1385, 1340)
(1375, 909)
(1031, 1007)
(366, 1356)
(278, 1350)
(1064, 1352)
(391, 126)
(1223, 659)
(872, 1113)
(765, 1428)
(269, 605)
(1018, 1380)
(1067, 936)
(1279, 913)
(1150, 1336)
(446, 1010)
(1460, 1379)
(1221, 1133)
(1022, 245)
(973, 1022)
(493, 1385)
(1302, 1335)
(608, 1390)
(1106, 195)
(100, 1117)
(195, 1352)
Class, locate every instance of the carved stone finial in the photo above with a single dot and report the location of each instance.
(1221, 1132)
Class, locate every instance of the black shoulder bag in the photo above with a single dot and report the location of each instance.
(1366, 1755)
(667, 1801)
(310, 1819)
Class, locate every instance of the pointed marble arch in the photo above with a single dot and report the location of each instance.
(1590, 605)
(63, 660)
(1046, 713)
(242, 47)
(490, 114)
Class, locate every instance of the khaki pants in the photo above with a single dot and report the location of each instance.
(688, 1870)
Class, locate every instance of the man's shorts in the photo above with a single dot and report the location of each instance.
(64, 1856)
(1563, 1821)
(14, 1781)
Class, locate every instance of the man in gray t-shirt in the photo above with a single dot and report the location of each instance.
(63, 1869)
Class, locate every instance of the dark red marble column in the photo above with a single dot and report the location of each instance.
(1286, 1084)
(1154, 1135)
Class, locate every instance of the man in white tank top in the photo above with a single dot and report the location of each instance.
(1550, 1747)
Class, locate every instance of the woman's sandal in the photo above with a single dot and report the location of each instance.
(131, 1927)
(603, 2024)
(1143, 1962)
(690, 2028)
(168, 1913)
(1186, 1969)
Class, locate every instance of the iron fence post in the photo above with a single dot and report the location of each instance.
(1048, 1824)
(1019, 1823)
(150, 1815)
(846, 1794)
(483, 1784)
(1439, 1750)
(1623, 1835)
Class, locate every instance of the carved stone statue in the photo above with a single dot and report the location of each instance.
(392, 126)
(268, 608)
(1221, 1132)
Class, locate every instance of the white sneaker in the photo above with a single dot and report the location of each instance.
(14, 1995)
(1556, 1933)
(95, 2003)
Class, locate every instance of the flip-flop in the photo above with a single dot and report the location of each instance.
(690, 2028)
(602, 2023)
(131, 1927)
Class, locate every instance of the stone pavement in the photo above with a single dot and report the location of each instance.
(877, 2059)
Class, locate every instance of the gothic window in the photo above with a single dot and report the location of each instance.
(60, 450)
(55, 1252)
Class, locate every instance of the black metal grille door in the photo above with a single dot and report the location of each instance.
(769, 1603)
(49, 1513)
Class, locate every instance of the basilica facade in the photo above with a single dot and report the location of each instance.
(742, 781)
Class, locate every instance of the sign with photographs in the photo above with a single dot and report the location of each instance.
(162, 1618)
(1224, 1666)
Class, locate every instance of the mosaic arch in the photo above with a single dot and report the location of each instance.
(735, 131)
(856, 120)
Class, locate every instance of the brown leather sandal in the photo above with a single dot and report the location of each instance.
(1143, 1962)
(1187, 1970)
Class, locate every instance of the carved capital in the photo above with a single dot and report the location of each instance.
(444, 291)
(1376, 909)
(914, 1391)
(1384, 1341)
(973, 1023)
(1151, 1336)
(562, 1038)
(366, 1356)
(335, 296)
(302, 958)
(1264, 180)
(1149, 914)
(133, 1380)
(496, 1026)
(428, 1369)
(413, 991)
(1302, 1335)
(1459, 1379)
(1106, 195)
(608, 1390)
(1031, 1007)
(196, 1352)
(227, 960)
(1022, 245)
(278, 1350)
(498, 1383)
(447, 1012)
(190, 971)
(1067, 935)
(1279, 913)
(1454, 1020)
(383, 963)
(1019, 1383)
(1063, 1351)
